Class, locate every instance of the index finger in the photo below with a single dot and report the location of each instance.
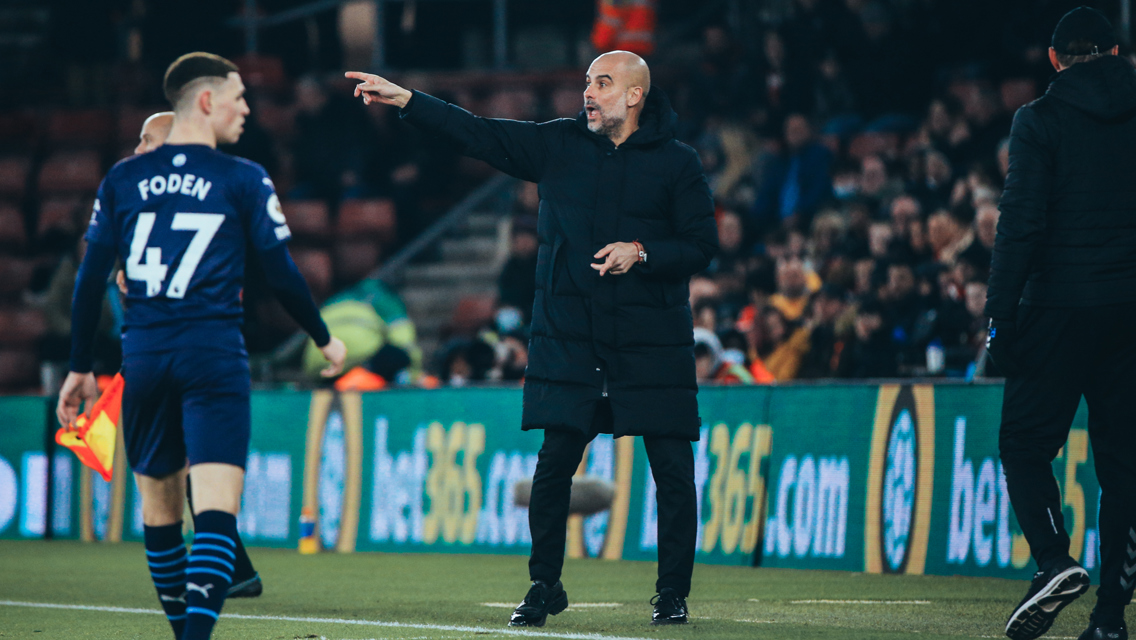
(606, 250)
(359, 75)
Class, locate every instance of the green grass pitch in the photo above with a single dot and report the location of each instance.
(371, 595)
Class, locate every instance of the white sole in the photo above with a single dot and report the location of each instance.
(1034, 616)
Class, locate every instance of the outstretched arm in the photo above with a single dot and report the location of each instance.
(515, 147)
(375, 88)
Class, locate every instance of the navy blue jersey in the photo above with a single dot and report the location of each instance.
(181, 217)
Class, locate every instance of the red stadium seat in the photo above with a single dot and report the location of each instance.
(12, 232)
(516, 104)
(315, 265)
(308, 219)
(19, 130)
(86, 128)
(373, 219)
(472, 313)
(21, 325)
(60, 213)
(276, 119)
(19, 369)
(354, 258)
(567, 101)
(71, 172)
(129, 121)
(262, 72)
(14, 172)
(15, 275)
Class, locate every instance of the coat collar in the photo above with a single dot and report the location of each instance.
(656, 123)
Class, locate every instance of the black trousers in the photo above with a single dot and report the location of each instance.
(672, 465)
(1067, 353)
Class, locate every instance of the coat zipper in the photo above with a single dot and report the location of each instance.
(605, 383)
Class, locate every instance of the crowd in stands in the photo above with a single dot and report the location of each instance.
(857, 169)
(856, 151)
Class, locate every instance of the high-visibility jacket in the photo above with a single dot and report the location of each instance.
(627, 25)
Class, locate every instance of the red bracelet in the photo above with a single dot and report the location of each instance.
(639, 248)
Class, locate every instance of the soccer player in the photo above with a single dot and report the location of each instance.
(246, 581)
(181, 216)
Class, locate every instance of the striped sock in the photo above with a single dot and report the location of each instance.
(165, 553)
(210, 571)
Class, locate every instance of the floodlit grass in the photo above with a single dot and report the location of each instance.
(420, 591)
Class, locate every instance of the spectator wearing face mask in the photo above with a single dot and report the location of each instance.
(711, 366)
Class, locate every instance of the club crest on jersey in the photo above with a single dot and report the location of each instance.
(187, 185)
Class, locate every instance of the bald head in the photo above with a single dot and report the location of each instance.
(629, 67)
(154, 132)
(618, 84)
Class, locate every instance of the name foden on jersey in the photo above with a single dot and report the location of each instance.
(187, 185)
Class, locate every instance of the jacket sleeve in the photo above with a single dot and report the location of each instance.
(1021, 226)
(695, 239)
(518, 148)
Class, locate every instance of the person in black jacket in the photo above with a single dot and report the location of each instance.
(625, 219)
(1062, 295)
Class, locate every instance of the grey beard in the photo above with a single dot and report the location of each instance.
(606, 127)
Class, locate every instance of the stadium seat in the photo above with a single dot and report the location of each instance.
(373, 219)
(21, 325)
(262, 72)
(515, 104)
(275, 119)
(354, 258)
(70, 172)
(308, 220)
(567, 101)
(59, 213)
(472, 313)
(13, 235)
(19, 131)
(14, 172)
(129, 121)
(1017, 92)
(315, 265)
(19, 369)
(86, 128)
(15, 275)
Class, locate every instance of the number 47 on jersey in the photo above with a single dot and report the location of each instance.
(152, 271)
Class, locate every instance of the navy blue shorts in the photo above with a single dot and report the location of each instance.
(185, 404)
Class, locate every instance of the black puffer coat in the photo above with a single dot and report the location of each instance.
(1067, 235)
(627, 337)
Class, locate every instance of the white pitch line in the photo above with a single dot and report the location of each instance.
(850, 601)
(370, 623)
(575, 605)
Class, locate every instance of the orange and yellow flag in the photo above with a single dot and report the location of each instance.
(92, 435)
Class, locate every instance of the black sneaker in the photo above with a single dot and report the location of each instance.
(1048, 594)
(540, 602)
(1104, 631)
(670, 608)
(251, 588)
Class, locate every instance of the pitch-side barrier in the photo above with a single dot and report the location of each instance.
(883, 478)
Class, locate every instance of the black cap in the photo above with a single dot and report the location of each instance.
(1083, 25)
